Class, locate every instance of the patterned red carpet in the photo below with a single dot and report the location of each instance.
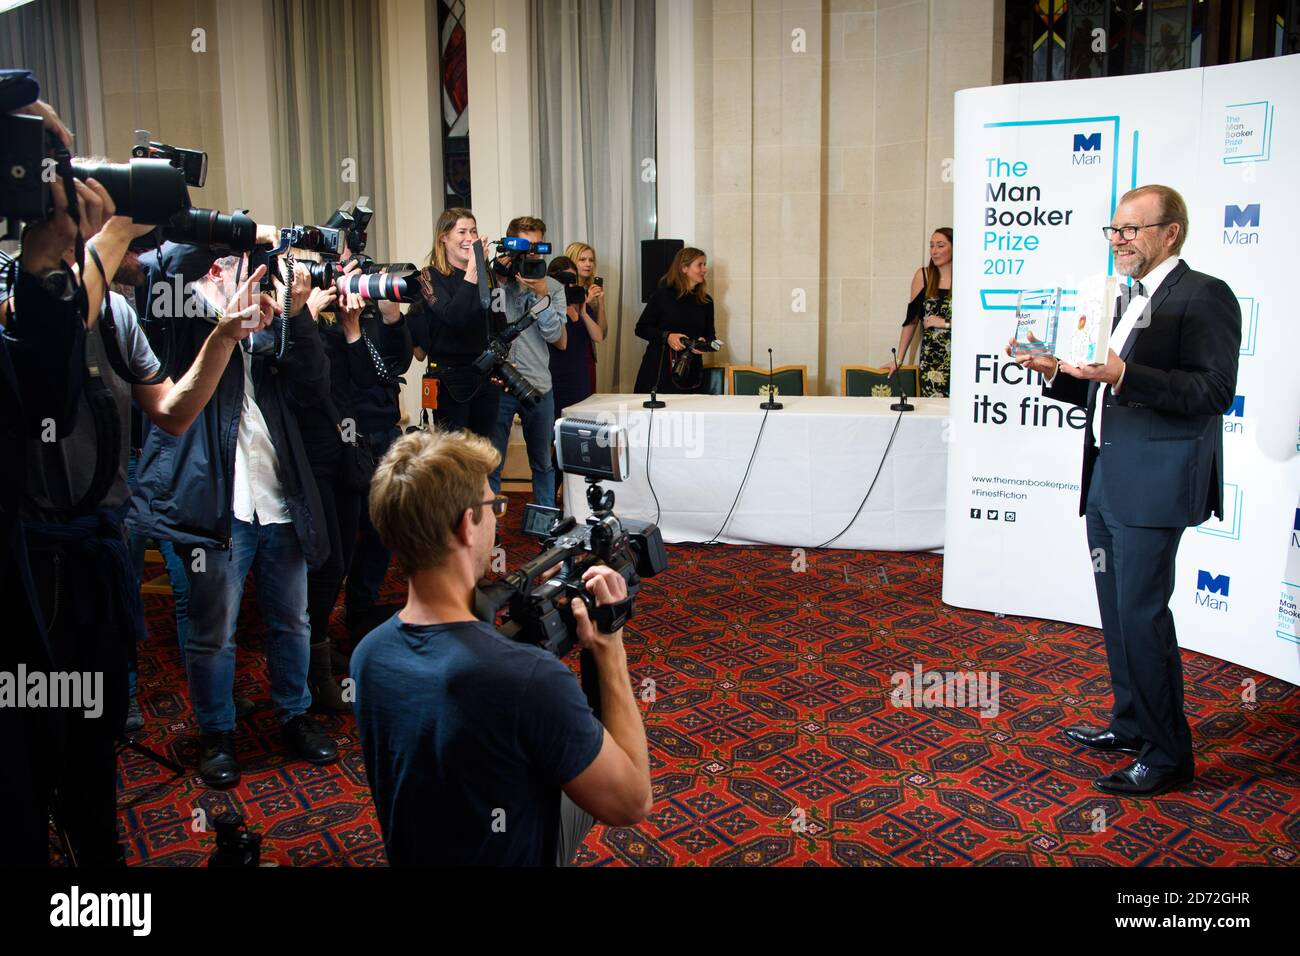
(774, 741)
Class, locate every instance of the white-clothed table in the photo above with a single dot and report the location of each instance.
(814, 463)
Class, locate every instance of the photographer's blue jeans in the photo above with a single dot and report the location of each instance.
(175, 573)
(539, 435)
(272, 553)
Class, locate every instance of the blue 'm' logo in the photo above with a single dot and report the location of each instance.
(1214, 583)
(1087, 141)
(1240, 215)
(1238, 406)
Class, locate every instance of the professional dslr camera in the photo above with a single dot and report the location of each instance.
(533, 612)
(495, 360)
(517, 256)
(147, 190)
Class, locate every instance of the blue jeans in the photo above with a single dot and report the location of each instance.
(272, 552)
(175, 574)
(539, 436)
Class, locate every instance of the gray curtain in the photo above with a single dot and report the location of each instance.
(45, 38)
(328, 99)
(596, 119)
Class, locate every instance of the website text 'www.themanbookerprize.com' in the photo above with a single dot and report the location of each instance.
(1005, 491)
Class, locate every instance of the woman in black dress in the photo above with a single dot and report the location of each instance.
(450, 329)
(931, 311)
(571, 365)
(679, 312)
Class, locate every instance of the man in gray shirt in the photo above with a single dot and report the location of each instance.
(530, 355)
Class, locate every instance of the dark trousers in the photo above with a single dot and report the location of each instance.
(88, 596)
(1133, 569)
(466, 400)
(370, 559)
(341, 507)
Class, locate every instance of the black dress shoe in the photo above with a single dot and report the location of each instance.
(304, 737)
(1102, 740)
(1139, 780)
(217, 764)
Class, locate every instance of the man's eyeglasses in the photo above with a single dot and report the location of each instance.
(498, 505)
(1128, 233)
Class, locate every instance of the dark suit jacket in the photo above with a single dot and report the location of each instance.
(1163, 433)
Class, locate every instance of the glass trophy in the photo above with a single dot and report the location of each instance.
(1038, 317)
(1085, 338)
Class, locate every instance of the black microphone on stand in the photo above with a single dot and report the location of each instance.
(771, 402)
(900, 406)
(654, 401)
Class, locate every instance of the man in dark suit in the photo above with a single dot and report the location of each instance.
(1152, 467)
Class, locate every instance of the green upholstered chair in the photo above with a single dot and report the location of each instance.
(865, 380)
(751, 380)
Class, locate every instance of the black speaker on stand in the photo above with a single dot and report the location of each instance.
(656, 257)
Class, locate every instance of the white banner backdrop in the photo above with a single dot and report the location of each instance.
(1039, 169)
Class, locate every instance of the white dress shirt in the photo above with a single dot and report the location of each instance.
(257, 484)
(1119, 339)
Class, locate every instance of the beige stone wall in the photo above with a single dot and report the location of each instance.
(820, 165)
(151, 78)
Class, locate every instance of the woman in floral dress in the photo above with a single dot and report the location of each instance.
(931, 311)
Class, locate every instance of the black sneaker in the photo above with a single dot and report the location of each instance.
(217, 764)
(305, 738)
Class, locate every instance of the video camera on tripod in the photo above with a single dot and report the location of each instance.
(539, 611)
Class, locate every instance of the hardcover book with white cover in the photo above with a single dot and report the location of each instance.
(1084, 336)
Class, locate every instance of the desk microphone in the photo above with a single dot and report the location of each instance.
(771, 402)
(654, 401)
(901, 405)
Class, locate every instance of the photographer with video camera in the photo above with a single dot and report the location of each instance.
(530, 355)
(235, 494)
(479, 749)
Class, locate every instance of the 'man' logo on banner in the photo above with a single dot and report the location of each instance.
(1236, 410)
(1087, 149)
(1207, 586)
(1236, 221)
(1295, 530)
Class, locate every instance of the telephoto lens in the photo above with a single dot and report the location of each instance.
(147, 191)
(323, 274)
(207, 227)
(520, 387)
(383, 286)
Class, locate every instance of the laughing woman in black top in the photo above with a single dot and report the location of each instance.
(449, 327)
(679, 312)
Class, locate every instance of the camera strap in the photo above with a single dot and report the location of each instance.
(108, 334)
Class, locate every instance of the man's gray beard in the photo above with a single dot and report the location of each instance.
(1137, 265)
